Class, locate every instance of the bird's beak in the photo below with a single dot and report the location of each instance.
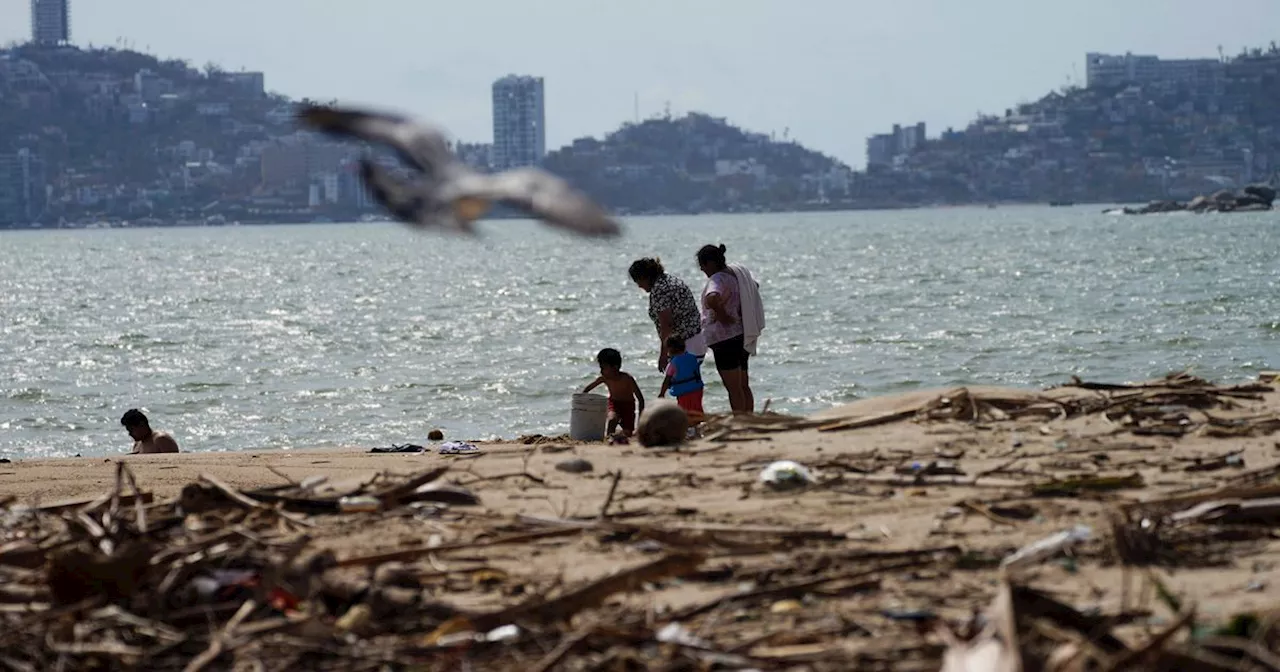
(468, 209)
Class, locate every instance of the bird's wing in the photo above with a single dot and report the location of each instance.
(421, 146)
(410, 202)
(539, 193)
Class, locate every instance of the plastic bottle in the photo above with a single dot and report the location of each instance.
(1047, 547)
(358, 504)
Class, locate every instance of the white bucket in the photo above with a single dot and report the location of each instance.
(588, 416)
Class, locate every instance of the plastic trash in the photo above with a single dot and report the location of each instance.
(785, 474)
(457, 448)
(359, 504)
(675, 633)
(1047, 547)
(502, 633)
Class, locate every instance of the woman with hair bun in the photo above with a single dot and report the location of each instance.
(732, 318)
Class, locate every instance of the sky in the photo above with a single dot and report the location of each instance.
(827, 73)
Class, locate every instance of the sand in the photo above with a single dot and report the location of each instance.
(708, 483)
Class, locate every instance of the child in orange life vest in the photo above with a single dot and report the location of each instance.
(684, 379)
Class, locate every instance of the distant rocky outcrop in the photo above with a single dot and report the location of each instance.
(1253, 198)
(698, 163)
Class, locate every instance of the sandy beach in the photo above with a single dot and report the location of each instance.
(983, 497)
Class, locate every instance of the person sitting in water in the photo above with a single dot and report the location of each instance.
(624, 393)
(145, 439)
(683, 379)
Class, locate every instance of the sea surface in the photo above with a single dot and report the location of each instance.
(365, 335)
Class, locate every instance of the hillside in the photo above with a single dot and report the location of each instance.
(112, 135)
(115, 133)
(699, 163)
(1155, 139)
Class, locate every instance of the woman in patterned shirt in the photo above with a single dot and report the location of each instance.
(671, 307)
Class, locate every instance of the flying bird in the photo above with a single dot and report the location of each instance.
(446, 193)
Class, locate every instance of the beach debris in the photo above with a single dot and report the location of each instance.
(538, 439)
(405, 448)
(675, 566)
(576, 465)
(435, 435)
(786, 475)
(457, 448)
(1176, 405)
(663, 423)
(358, 504)
(1047, 547)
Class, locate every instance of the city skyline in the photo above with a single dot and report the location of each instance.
(828, 74)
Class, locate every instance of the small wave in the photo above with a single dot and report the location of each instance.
(200, 386)
(29, 394)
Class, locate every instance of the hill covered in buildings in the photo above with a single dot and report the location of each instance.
(1142, 129)
(113, 135)
(108, 134)
(699, 163)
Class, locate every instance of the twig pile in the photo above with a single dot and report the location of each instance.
(220, 578)
(1176, 405)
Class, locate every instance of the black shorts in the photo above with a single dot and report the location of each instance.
(730, 354)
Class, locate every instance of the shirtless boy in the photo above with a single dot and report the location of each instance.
(145, 439)
(625, 399)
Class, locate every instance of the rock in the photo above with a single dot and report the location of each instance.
(1253, 207)
(1157, 207)
(662, 424)
(1265, 193)
(1223, 196)
(1199, 204)
(575, 466)
(1250, 199)
(435, 435)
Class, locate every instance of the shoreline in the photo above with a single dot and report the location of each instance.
(323, 218)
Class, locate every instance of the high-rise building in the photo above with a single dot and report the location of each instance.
(882, 149)
(519, 122)
(22, 188)
(1109, 70)
(51, 21)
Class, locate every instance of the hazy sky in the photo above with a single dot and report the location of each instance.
(831, 71)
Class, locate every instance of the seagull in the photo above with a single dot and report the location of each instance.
(447, 193)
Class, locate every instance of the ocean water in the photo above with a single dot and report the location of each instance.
(363, 335)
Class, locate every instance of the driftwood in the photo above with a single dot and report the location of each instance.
(1174, 406)
(226, 578)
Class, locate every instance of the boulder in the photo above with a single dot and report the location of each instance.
(435, 435)
(1223, 196)
(663, 423)
(1159, 206)
(1246, 200)
(1253, 207)
(1199, 204)
(1263, 192)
